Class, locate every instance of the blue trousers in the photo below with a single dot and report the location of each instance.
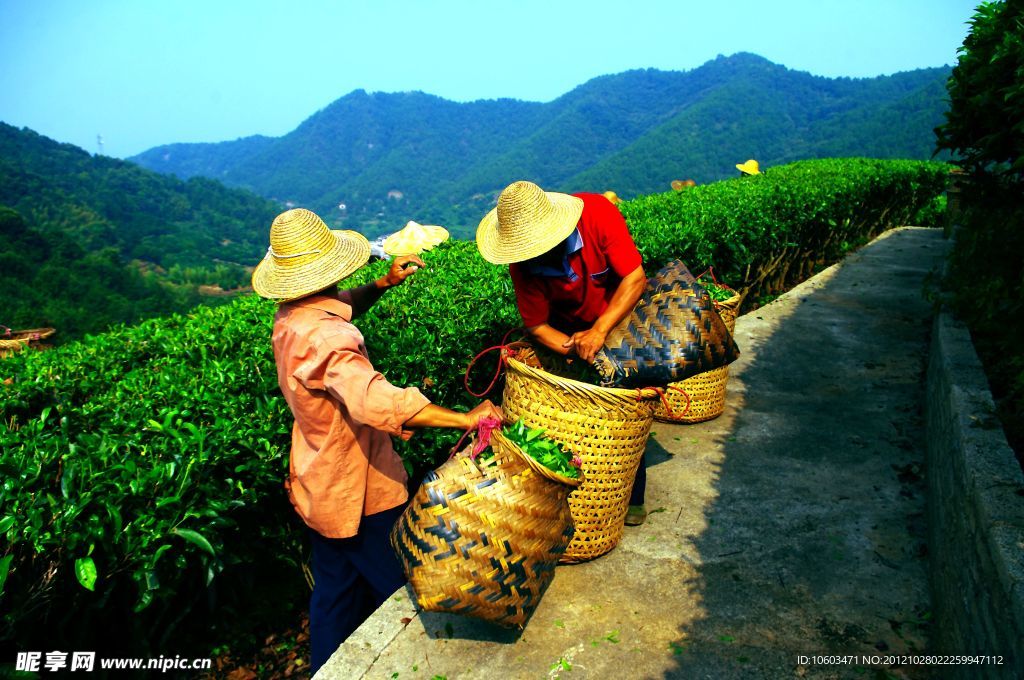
(352, 577)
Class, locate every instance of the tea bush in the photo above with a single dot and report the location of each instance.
(155, 455)
(766, 231)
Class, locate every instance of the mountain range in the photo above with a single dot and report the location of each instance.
(371, 161)
(86, 241)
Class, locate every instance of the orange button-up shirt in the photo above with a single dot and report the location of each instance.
(343, 464)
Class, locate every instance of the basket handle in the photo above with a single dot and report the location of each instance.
(503, 346)
(664, 401)
(711, 270)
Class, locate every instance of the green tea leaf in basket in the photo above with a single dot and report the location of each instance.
(545, 451)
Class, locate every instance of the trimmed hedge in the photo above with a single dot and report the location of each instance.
(159, 451)
(764, 232)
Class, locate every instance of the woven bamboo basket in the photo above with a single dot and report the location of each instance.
(14, 341)
(606, 427)
(701, 397)
(482, 538)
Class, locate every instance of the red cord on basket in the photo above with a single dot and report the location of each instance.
(682, 392)
(711, 270)
(664, 399)
(497, 371)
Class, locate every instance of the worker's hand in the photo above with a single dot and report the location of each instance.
(402, 267)
(483, 410)
(586, 343)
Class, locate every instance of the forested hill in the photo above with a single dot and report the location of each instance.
(86, 241)
(388, 158)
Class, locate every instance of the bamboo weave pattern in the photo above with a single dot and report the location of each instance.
(482, 538)
(674, 332)
(606, 427)
(704, 396)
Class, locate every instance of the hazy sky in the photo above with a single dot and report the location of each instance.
(148, 72)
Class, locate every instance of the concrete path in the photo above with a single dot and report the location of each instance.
(792, 525)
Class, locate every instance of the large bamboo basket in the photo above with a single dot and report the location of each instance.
(482, 538)
(701, 397)
(606, 427)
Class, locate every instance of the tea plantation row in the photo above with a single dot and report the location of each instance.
(153, 457)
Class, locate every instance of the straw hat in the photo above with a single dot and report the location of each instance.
(527, 222)
(306, 256)
(749, 168)
(613, 197)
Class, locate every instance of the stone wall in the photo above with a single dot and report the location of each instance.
(975, 514)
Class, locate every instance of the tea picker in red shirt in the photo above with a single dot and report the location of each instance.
(575, 270)
(346, 481)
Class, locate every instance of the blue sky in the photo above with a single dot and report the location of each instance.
(148, 72)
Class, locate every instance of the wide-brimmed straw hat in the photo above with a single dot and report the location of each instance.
(306, 256)
(749, 168)
(527, 222)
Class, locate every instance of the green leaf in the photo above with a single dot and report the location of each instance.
(5, 567)
(156, 555)
(195, 538)
(6, 523)
(85, 572)
(66, 479)
(144, 601)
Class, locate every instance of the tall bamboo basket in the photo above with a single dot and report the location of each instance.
(606, 427)
(701, 397)
(482, 538)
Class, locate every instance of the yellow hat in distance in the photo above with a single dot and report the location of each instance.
(749, 168)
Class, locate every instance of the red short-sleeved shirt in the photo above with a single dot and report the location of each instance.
(607, 256)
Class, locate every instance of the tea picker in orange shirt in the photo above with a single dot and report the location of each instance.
(346, 481)
(576, 273)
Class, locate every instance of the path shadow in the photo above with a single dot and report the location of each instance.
(813, 539)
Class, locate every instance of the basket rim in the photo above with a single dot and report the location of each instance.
(609, 394)
(733, 301)
(28, 333)
(536, 466)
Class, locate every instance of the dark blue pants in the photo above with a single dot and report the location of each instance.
(352, 577)
(636, 497)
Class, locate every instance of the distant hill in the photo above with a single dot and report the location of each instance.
(388, 158)
(86, 241)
